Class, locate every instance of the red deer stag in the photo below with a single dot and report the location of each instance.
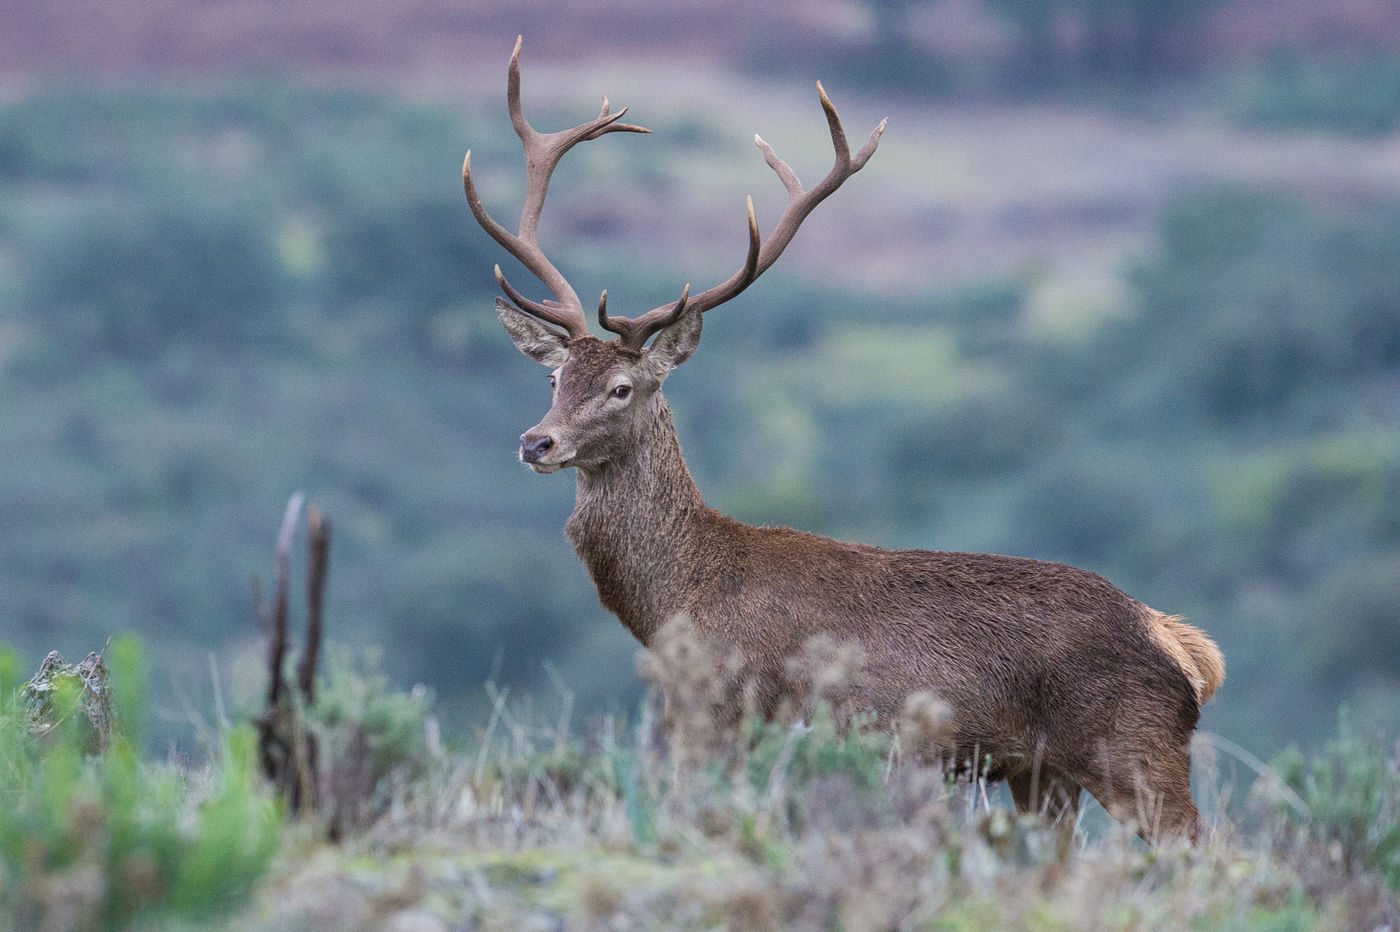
(1058, 678)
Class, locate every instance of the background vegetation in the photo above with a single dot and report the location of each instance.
(1121, 289)
(214, 295)
(213, 301)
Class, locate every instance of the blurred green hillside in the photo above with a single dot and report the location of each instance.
(210, 298)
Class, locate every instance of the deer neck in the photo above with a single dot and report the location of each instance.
(637, 524)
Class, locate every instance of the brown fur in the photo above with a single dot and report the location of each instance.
(1061, 679)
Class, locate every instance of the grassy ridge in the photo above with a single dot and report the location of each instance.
(536, 825)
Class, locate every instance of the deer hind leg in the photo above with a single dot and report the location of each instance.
(1151, 794)
(1176, 812)
(1046, 791)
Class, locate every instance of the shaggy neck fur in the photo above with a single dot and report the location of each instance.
(636, 525)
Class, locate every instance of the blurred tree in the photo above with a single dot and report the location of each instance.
(1354, 629)
(894, 62)
(1266, 305)
(1135, 41)
(1351, 92)
(406, 257)
(134, 278)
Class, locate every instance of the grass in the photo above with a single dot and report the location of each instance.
(625, 824)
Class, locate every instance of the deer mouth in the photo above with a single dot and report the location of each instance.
(545, 469)
(546, 461)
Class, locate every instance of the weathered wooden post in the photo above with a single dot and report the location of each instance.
(286, 743)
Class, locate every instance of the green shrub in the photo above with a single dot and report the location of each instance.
(372, 741)
(108, 841)
(1352, 791)
(788, 760)
(131, 281)
(351, 699)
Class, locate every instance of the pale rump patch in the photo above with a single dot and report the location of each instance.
(1192, 650)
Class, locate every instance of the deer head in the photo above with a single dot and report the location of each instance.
(603, 391)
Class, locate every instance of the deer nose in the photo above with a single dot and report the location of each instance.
(532, 448)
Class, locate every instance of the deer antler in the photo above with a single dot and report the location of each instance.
(542, 153)
(635, 332)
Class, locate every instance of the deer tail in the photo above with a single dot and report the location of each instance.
(1192, 649)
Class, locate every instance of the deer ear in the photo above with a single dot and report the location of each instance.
(542, 344)
(674, 344)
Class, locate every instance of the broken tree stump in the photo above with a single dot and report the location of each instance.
(62, 695)
(287, 745)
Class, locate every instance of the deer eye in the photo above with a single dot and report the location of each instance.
(552, 380)
(622, 391)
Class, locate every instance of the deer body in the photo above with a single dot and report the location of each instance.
(1059, 678)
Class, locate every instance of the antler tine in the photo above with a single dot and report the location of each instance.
(548, 311)
(800, 203)
(633, 333)
(542, 153)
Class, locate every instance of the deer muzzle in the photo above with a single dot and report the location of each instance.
(541, 452)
